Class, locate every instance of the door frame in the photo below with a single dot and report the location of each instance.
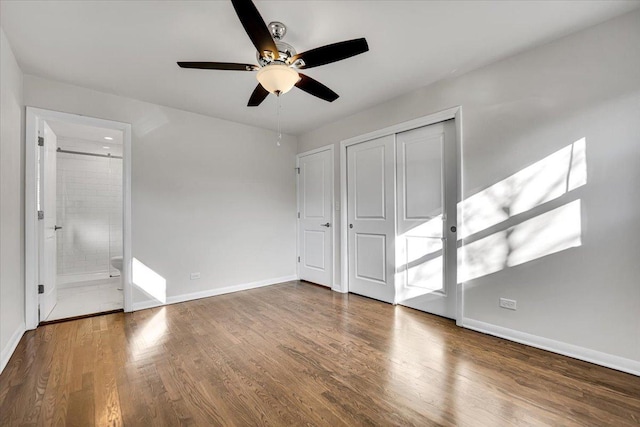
(331, 149)
(31, 215)
(454, 113)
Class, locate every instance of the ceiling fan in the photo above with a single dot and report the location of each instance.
(278, 61)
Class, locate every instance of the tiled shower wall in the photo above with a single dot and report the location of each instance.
(89, 208)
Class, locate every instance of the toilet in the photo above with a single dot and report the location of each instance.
(116, 262)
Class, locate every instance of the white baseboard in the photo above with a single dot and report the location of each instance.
(141, 305)
(8, 350)
(149, 303)
(588, 355)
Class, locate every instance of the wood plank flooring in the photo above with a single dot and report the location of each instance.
(298, 354)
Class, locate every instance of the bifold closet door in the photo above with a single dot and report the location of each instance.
(371, 218)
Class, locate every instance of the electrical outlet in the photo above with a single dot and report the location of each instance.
(194, 276)
(509, 304)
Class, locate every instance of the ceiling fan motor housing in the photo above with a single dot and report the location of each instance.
(285, 50)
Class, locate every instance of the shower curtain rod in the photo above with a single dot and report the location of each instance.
(82, 153)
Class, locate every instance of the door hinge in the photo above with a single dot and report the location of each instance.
(298, 170)
(41, 289)
(40, 141)
(40, 214)
(298, 214)
(298, 259)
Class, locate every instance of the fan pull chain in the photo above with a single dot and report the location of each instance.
(278, 114)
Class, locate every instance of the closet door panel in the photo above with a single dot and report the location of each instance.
(371, 216)
(424, 192)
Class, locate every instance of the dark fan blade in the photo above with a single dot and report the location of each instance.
(258, 95)
(332, 53)
(219, 66)
(255, 27)
(315, 88)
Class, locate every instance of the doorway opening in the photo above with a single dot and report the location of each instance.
(77, 216)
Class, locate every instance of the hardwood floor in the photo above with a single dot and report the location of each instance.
(298, 354)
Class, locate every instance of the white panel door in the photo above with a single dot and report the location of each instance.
(371, 218)
(315, 224)
(48, 227)
(426, 200)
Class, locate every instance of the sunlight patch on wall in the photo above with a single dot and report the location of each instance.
(149, 281)
(543, 235)
(548, 233)
(549, 178)
(541, 182)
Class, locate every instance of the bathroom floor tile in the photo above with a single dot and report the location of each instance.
(87, 298)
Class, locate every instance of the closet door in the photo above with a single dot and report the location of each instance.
(371, 218)
(426, 199)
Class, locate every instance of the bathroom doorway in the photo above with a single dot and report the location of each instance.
(79, 230)
(88, 180)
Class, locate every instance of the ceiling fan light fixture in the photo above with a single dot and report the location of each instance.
(277, 78)
(278, 61)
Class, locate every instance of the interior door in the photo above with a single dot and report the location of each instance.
(371, 218)
(426, 200)
(48, 226)
(315, 218)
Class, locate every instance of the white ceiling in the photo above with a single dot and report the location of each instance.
(130, 48)
(87, 133)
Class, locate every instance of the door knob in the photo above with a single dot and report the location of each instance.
(326, 225)
(56, 227)
(350, 225)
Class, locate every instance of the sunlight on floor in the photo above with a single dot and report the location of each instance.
(415, 348)
(148, 337)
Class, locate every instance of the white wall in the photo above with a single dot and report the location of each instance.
(208, 195)
(11, 203)
(515, 113)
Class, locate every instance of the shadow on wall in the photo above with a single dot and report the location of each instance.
(528, 215)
